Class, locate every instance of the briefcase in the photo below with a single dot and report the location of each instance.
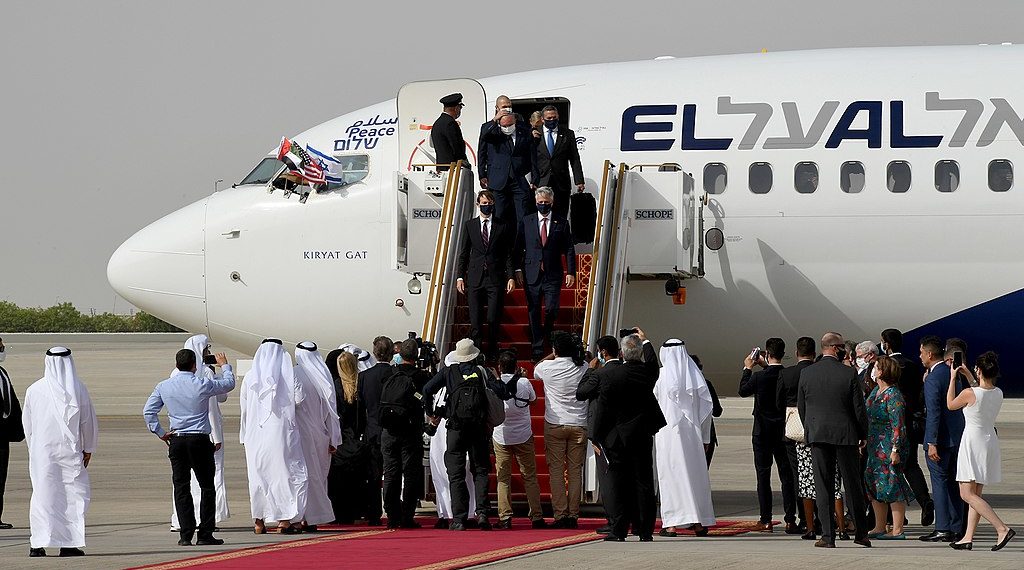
(583, 217)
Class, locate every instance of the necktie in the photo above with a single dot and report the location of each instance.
(551, 142)
(543, 232)
(486, 235)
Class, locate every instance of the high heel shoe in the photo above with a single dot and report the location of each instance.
(962, 545)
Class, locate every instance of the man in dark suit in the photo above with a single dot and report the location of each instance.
(786, 398)
(541, 241)
(485, 268)
(943, 429)
(768, 434)
(831, 405)
(589, 390)
(912, 386)
(11, 429)
(556, 155)
(505, 155)
(446, 134)
(627, 417)
(369, 386)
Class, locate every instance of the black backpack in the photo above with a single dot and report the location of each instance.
(467, 402)
(396, 411)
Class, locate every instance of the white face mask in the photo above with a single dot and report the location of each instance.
(506, 110)
(509, 130)
(396, 359)
(874, 377)
(862, 364)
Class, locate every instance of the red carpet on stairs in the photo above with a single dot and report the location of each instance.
(381, 549)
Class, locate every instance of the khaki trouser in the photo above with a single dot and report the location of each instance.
(526, 457)
(565, 448)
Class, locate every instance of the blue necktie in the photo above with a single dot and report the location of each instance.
(551, 142)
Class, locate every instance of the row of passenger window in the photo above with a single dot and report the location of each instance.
(851, 177)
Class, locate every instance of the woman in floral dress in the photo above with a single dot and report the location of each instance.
(886, 448)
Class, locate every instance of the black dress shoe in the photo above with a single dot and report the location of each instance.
(563, 522)
(482, 523)
(455, 525)
(646, 538)
(866, 543)
(442, 524)
(844, 535)
(793, 528)
(411, 524)
(700, 530)
(962, 545)
(613, 538)
(1012, 533)
(6, 526)
(64, 552)
(393, 523)
(504, 524)
(539, 523)
(184, 542)
(209, 541)
(668, 533)
(937, 536)
(809, 535)
(36, 552)
(606, 529)
(928, 514)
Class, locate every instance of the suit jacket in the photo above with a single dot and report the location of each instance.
(554, 167)
(589, 390)
(763, 386)
(912, 386)
(369, 387)
(627, 411)
(831, 404)
(531, 254)
(496, 257)
(11, 429)
(943, 427)
(789, 382)
(503, 164)
(446, 138)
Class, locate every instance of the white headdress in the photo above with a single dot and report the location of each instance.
(62, 380)
(310, 363)
(273, 380)
(688, 393)
(364, 360)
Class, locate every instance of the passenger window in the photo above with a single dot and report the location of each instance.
(1000, 175)
(715, 177)
(947, 175)
(897, 176)
(760, 177)
(805, 177)
(851, 177)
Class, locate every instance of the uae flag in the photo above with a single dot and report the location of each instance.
(300, 163)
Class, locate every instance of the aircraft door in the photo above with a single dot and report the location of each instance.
(660, 203)
(419, 107)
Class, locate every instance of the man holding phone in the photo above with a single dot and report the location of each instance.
(943, 429)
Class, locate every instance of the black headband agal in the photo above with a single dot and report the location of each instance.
(675, 343)
(310, 346)
(273, 340)
(65, 352)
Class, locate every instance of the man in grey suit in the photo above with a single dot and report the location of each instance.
(831, 406)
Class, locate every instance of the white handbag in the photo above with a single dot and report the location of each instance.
(794, 427)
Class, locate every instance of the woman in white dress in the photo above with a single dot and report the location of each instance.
(977, 463)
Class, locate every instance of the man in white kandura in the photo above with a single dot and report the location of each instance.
(319, 429)
(273, 450)
(683, 478)
(200, 344)
(61, 431)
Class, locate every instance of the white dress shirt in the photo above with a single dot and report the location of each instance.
(516, 428)
(561, 377)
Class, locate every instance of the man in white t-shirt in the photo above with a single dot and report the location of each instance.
(514, 438)
(565, 427)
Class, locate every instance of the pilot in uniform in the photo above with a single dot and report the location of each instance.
(446, 134)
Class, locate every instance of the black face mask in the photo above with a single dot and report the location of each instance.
(544, 209)
(487, 209)
(551, 123)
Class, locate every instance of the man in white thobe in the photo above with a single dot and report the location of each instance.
(438, 471)
(319, 429)
(200, 344)
(683, 479)
(61, 431)
(273, 450)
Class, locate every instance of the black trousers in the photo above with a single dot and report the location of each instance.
(490, 297)
(824, 459)
(604, 479)
(769, 447)
(476, 442)
(346, 487)
(5, 455)
(915, 476)
(791, 455)
(375, 467)
(561, 205)
(514, 202)
(403, 460)
(547, 291)
(709, 453)
(631, 470)
(193, 453)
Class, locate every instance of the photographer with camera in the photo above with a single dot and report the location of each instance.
(565, 425)
(514, 438)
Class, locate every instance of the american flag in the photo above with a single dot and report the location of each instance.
(300, 163)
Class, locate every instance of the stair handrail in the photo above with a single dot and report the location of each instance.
(440, 306)
(604, 254)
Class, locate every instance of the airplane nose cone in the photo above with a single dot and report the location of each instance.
(162, 268)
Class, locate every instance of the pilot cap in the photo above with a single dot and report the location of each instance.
(451, 100)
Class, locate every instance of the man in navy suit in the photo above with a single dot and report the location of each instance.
(557, 155)
(942, 432)
(541, 241)
(505, 155)
(485, 268)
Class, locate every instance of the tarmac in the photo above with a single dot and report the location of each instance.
(127, 522)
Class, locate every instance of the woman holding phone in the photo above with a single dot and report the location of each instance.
(978, 462)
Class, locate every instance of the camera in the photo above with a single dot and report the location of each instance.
(426, 356)
(209, 359)
(623, 333)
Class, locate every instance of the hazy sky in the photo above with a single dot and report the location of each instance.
(116, 113)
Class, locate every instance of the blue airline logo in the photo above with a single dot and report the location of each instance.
(657, 125)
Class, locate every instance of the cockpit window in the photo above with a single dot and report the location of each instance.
(346, 169)
(264, 172)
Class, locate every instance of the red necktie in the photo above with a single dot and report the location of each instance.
(543, 232)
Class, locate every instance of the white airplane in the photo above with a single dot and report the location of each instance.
(849, 190)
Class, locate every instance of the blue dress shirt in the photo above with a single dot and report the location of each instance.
(187, 398)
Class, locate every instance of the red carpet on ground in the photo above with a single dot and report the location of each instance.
(382, 549)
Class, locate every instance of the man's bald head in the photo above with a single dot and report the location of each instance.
(830, 341)
(502, 101)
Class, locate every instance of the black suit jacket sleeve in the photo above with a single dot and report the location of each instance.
(801, 407)
(860, 413)
(507, 253)
(486, 130)
(716, 405)
(747, 384)
(651, 365)
(453, 133)
(464, 250)
(518, 253)
(570, 258)
(590, 386)
(574, 158)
